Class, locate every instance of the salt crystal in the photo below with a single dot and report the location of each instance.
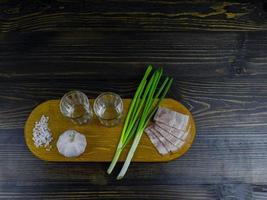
(42, 135)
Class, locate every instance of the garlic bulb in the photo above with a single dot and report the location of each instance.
(71, 143)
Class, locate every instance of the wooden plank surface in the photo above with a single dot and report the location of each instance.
(101, 141)
(148, 15)
(218, 60)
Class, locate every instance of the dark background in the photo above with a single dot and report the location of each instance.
(217, 53)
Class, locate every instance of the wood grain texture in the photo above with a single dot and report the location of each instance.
(148, 15)
(215, 51)
(101, 141)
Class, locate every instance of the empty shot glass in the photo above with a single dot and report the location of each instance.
(75, 106)
(108, 107)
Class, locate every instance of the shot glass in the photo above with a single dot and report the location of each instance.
(75, 106)
(108, 107)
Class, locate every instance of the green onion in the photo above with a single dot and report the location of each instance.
(146, 116)
(142, 108)
(136, 96)
(131, 111)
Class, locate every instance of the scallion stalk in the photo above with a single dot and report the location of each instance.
(130, 114)
(142, 108)
(142, 125)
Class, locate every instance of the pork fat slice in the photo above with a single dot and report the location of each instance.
(156, 142)
(173, 131)
(170, 130)
(171, 138)
(166, 138)
(171, 118)
(168, 145)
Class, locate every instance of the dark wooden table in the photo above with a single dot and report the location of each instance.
(217, 53)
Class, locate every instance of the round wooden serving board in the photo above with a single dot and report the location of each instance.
(101, 141)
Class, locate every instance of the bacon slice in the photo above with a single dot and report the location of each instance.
(171, 138)
(167, 144)
(171, 118)
(170, 130)
(156, 142)
(173, 131)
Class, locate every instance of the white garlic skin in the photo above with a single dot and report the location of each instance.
(71, 143)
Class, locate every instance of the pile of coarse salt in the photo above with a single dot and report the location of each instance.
(42, 135)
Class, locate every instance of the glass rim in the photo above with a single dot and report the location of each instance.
(103, 94)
